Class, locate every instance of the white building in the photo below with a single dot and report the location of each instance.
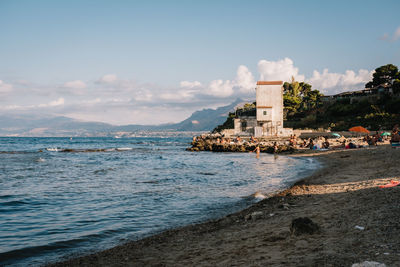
(268, 121)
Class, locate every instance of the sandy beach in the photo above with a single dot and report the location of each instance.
(356, 221)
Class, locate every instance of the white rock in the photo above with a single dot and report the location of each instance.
(361, 228)
(368, 264)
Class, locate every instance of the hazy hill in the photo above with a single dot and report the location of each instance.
(206, 119)
(30, 125)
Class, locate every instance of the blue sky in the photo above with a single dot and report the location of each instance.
(117, 61)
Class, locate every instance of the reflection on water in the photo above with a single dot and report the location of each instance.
(105, 190)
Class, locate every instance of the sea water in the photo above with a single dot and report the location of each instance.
(64, 197)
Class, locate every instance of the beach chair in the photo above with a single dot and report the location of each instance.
(395, 144)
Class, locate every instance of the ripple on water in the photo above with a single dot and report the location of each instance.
(76, 202)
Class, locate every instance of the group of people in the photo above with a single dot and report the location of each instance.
(373, 140)
(316, 143)
(395, 140)
(313, 143)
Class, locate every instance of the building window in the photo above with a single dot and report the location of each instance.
(264, 112)
(244, 126)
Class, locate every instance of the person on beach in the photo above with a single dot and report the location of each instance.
(377, 138)
(344, 144)
(370, 140)
(395, 128)
(326, 143)
(276, 148)
(257, 150)
(238, 140)
(341, 145)
(311, 144)
(292, 141)
(304, 143)
(395, 138)
(350, 145)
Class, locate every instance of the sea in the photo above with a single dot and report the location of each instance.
(67, 197)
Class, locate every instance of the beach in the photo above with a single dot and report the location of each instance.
(356, 221)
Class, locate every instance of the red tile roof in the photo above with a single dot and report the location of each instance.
(269, 83)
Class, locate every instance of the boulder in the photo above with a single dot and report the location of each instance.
(254, 216)
(303, 225)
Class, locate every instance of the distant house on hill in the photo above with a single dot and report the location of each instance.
(368, 92)
(267, 118)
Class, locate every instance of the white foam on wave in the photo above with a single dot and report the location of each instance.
(259, 196)
(40, 160)
(53, 149)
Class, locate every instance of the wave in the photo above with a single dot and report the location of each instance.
(14, 152)
(207, 173)
(10, 257)
(88, 150)
(259, 196)
(53, 149)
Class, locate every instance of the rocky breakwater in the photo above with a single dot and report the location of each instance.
(218, 145)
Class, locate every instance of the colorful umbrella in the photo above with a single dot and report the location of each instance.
(385, 134)
(358, 129)
(336, 135)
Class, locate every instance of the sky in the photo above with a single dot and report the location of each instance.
(152, 62)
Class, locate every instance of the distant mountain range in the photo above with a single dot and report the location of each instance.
(30, 125)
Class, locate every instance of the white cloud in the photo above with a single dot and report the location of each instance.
(332, 83)
(109, 78)
(244, 79)
(396, 34)
(143, 96)
(388, 38)
(78, 84)
(182, 96)
(116, 100)
(92, 101)
(384, 37)
(187, 84)
(278, 70)
(284, 69)
(219, 88)
(58, 102)
(5, 87)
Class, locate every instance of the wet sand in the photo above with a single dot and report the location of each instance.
(358, 221)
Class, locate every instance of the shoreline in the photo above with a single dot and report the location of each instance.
(332, 196)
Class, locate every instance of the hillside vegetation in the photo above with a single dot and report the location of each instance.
(305, 108)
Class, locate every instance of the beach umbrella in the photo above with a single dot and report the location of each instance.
(358, 129)
(385, 134)
(336, 135)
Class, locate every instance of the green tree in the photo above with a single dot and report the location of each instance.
(298, 97)
(312, 100)
(384, 75)
(396, 86)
